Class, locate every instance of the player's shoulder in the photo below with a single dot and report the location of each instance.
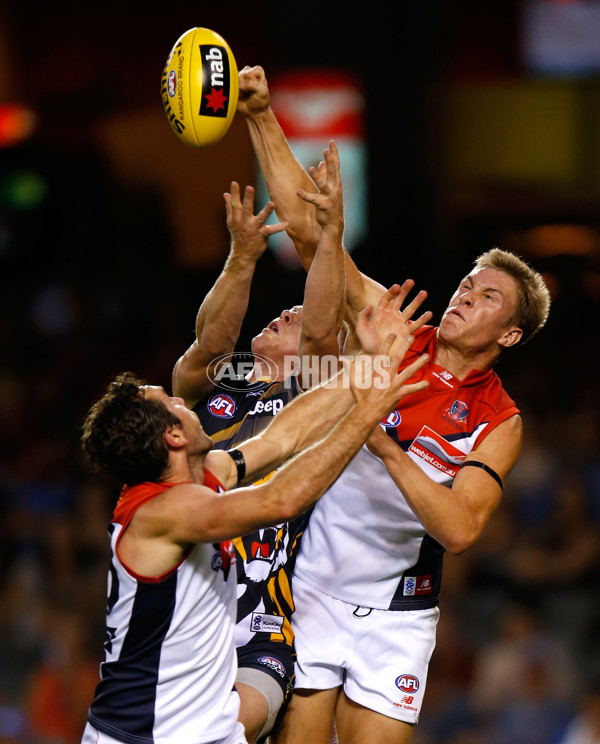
(493, 394)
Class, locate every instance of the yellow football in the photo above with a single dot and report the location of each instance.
(199, 87)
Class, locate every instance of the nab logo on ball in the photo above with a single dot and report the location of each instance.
(222, 406)
(215, 79)
(200, 87)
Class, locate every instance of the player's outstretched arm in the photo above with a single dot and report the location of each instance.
(284, 176)
(367, 394)
(325, 289)
(312, 414)
(222, 311)
(282, 172)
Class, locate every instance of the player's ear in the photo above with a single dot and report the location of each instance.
(511, 336)
(174, 437)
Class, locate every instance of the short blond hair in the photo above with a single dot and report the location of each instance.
(533, 296)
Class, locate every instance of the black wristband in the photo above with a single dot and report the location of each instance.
(240, 463)
(483, 466)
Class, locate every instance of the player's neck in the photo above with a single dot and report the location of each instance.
(186, 469)
(197, 469)
(461, 362)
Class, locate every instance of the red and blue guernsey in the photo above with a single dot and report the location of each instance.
(364, 544)
(170, 663)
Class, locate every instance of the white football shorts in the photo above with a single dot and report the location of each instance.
(380, 657)
(93, 736)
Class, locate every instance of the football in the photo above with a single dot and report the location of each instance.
(199, 87)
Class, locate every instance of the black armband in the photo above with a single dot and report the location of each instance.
(240, 463)
(488, 470)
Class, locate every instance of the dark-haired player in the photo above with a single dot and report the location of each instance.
(170, 663)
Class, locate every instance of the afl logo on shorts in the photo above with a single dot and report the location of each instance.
(221, 406)
(407, 683)
(393, 419)
(273, 664)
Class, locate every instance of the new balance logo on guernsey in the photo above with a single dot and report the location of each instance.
(445, 377)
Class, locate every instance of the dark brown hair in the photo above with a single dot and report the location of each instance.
(123, 432)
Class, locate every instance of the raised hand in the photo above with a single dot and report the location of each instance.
(249, 233)
(375, 381)
(254, 95)
(374, 325)
(329, 200)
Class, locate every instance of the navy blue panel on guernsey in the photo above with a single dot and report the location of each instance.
(419, 587)
(125, 698)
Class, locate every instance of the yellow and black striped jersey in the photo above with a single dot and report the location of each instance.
(264, 559)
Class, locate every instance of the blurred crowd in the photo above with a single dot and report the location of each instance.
(518, 650)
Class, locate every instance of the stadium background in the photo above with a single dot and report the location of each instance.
(111, 232)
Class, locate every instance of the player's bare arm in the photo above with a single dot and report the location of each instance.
(222, 311)
(162, 529)
(325, 289)
(284, 176)
(311, 415)
(455, 517)
(281, 171)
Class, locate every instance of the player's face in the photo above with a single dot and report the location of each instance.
(478, 316)
(199, 441)
(281, 336)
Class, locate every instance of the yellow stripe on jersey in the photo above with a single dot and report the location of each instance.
(280, 580)
(238, 544)
(228, 433)
(265, 478)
